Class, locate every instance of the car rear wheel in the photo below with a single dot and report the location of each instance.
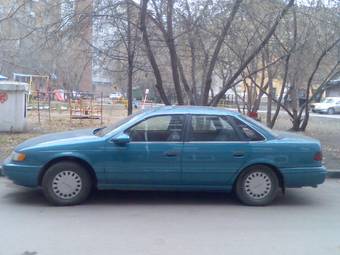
(66, 183)
(257, 185)
(331, 111)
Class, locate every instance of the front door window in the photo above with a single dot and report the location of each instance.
(165, 128)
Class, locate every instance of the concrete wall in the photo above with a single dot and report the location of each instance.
(13, 106)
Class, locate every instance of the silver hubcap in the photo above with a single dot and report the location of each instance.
(66, 184)
(257, 185)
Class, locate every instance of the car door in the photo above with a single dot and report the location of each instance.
(153, 155)
(213, 151)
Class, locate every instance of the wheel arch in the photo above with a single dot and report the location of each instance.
(74, 159)
(272, 166)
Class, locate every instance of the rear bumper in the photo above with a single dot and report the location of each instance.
(24, 175)
(304, 176)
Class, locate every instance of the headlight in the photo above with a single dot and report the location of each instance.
(17, 156)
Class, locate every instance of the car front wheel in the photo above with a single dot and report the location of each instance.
(66, 183)
(257, 185)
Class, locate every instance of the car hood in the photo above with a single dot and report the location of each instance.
(68, 137)
(290, 136)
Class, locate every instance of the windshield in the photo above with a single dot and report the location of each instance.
(105, 130)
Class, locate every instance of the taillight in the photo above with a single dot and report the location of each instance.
(318, 156)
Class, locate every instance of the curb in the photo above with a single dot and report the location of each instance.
(334, 173)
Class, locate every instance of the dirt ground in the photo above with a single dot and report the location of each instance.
(60, 121)
(324, 129)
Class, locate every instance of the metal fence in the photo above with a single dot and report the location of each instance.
(77, 105)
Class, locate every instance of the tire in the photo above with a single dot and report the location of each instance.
(331, 111)
(66, 183)
(257, 185)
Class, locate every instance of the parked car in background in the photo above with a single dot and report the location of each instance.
(116, 95)
(329, 105)
(169, 148)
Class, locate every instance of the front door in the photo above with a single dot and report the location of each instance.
(213, 151)
(153, 155)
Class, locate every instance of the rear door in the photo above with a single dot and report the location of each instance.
(214, 150)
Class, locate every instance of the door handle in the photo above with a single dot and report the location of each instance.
(171, 153)
(238, 154)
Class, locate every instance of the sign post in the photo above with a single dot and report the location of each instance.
(145, 97)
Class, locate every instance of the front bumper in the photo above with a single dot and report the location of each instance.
(304, 176)
(24, 175)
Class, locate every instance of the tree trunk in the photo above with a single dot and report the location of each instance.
(173, 54)
(270, 75)
(283, 86)
(208, 78)
(258, 99)
(295, 107)
(305, 106)
(187, 89)
(264, 42)
(129, 88)
(269, 101)
(130, 53)
(150, 55)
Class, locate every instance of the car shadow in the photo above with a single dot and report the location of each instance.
(161, 198)
(23, 196)
(35, 197)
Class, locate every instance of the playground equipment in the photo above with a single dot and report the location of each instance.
(59, 95)
(86, 108)
(36, 83)
(122, 101)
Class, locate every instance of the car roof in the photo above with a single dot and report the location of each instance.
(192, 110)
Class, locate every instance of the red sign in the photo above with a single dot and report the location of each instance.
(3, 97)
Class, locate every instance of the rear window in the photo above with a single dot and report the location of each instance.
(249, 133)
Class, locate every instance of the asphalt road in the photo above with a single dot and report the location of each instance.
(304, 221)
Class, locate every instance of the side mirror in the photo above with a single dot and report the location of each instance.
(121, 139)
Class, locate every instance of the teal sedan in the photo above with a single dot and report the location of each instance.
(182, 148)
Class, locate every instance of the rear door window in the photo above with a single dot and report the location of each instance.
(204, 128)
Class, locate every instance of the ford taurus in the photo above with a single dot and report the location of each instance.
(169, 148)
